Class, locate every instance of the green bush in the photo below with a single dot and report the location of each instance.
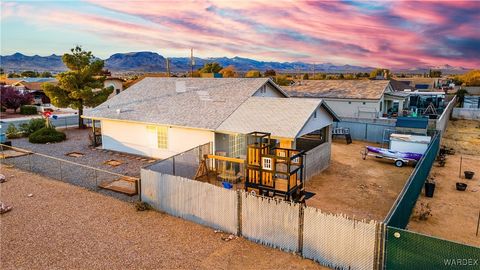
(28, 110)
(13, 132)
(46, 135)
(33, 125)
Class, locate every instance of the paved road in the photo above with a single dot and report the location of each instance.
(61, 122)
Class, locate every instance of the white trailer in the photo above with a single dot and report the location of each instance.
(409, 143)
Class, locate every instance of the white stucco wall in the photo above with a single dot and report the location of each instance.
(117, 84)
(135, 139)
(322, 119)
(351, 107)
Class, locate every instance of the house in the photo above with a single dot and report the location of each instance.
(161, 117)
(421, 83)
(34, 87)
(401, 86)
(364, 99)
(116, 83)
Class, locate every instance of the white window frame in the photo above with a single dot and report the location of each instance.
(267, 163)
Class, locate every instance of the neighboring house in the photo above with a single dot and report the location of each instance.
(421, 83)
(34, 87)
(116, 83)
(401, 86)
(161, 117)
(364, 99)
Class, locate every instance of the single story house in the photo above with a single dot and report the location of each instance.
(34, 87)
(364, 99)
(161, 117)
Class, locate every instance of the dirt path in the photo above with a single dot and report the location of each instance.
(454, 213)
(365, 189)
(64, 226)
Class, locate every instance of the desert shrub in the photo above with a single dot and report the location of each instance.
(28, 110)
(46, 135)
(33, 125)
(13, 132)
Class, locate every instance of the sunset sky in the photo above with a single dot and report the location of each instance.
(385, 33)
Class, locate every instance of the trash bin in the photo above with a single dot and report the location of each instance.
(429, 189)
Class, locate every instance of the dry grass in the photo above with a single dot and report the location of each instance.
(64, 226)
(365, 189)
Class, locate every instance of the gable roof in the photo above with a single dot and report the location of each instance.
(282, 117)
(400, 85)
(339, 89)
(189, 102)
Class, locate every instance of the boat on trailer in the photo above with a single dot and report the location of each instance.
(399, 158)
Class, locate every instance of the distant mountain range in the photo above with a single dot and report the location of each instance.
(140, 62)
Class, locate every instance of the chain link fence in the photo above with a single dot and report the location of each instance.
(63, 170)
(192, 200)
(339, 242)
(184, 164)
(332, 240)
(410, 250)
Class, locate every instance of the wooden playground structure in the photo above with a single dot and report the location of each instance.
(267, 170)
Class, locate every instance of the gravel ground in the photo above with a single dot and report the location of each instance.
(78, 141)
(64, 226)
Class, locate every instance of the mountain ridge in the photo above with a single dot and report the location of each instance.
(147, 61)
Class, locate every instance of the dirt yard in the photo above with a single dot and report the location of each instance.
(64, 226)
(463, 136)
(454, 214)
(365, 189)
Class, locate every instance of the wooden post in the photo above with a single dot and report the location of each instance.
(94, 135)
(460, 170)
(478, 223)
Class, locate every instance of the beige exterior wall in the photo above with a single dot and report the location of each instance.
(355, 108)
(316, 122)
(135, 138)
(269, 91)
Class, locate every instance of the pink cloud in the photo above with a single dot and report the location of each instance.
(392, 34)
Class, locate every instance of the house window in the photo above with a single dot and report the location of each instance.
(363, 103)
(117, 91)
(162, 137)
(236, 145)
(266, 163)
(381, 105)
(349, 102)
(315, 114)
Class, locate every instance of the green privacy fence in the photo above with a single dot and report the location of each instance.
(410, 250)
(400, 213)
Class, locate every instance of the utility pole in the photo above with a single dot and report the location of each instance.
(192, 61)
(168, 66)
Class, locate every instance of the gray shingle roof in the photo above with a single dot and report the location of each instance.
(282, 117)
(342, 89)
(191, 102)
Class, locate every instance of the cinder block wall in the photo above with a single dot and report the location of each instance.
(317, 160)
